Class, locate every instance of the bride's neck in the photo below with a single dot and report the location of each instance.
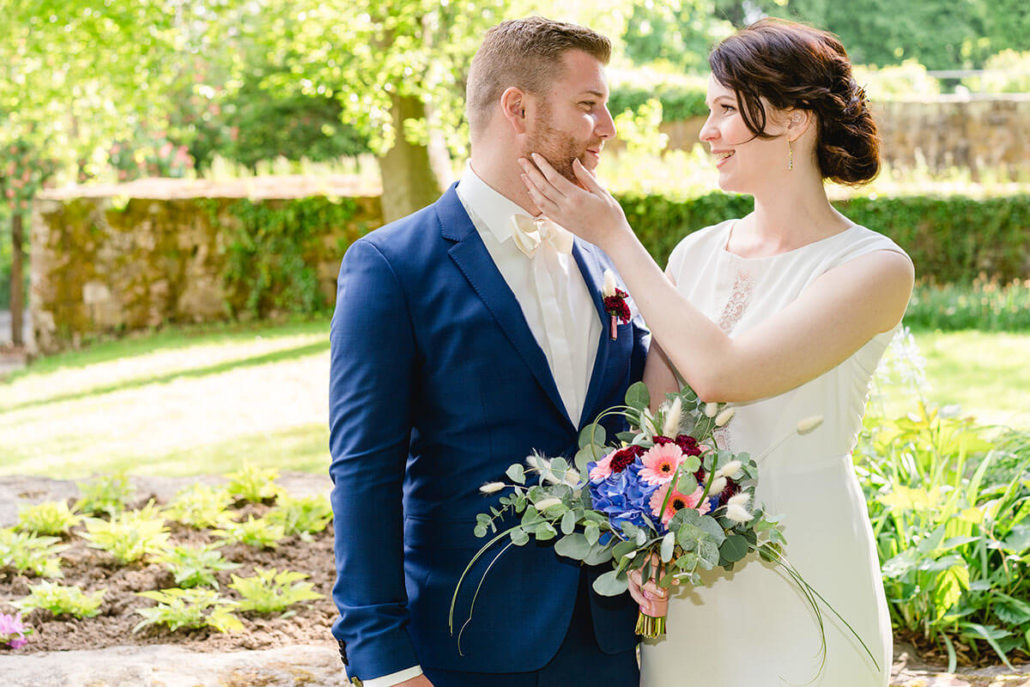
(786, 221)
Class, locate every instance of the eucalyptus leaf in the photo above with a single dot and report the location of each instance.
(516, 473)
(568, 522)
(668, 544)
(687, 483)
(519, 536)
(573, 546)
(592, 435)
(733, 549)
(690, 464)
(598, 554)
(637, 396)
(545, 532)
(479, 531)
(592, 533)
(622, 548)
(611, 584)
(586, 455)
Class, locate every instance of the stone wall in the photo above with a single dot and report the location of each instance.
(976, 133)
(101, 264)
(134, 256)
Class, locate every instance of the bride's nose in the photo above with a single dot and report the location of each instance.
(708, 132)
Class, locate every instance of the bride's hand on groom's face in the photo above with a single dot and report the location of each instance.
(587, 209)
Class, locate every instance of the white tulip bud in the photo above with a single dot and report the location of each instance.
(492, 487)
(711, 409)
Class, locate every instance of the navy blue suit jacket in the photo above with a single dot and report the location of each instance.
(437, 385)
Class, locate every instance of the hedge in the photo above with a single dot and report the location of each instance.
(952, 240)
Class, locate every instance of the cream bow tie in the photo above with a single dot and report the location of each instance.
(529, 233)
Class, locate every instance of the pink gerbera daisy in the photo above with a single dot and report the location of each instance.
(677, 502)
(660, 463)
(603, 469)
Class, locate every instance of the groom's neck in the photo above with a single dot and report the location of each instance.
(501, 171)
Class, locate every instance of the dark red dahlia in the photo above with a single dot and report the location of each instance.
(688, 445)
(624, 457)
(616, 306)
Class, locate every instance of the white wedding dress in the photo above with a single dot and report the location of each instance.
(751, 627)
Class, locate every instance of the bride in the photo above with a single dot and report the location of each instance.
(783, 313)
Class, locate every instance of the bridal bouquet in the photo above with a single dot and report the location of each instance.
(663, 499)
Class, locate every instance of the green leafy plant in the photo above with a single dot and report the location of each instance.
(259, 533)
(105, 496)
(47, 518)
(62, 601)
(302, 516)
(270, 591)
(196, 566)
(254, 485)
(950, 509)
(22, 552)
(188, 608)
(130, 536)
(200, 506)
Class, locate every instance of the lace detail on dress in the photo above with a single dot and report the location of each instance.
(737, 303)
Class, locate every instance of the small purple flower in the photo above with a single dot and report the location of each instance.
(13, 631)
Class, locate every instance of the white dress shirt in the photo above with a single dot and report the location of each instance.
(549, 287)
(555, 302)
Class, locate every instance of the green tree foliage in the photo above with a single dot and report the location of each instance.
(678, 33)
(940, 35)
(73, 73)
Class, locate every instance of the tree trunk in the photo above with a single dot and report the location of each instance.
(409, 183)
(17, 295)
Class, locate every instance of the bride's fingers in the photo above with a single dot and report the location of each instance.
(587, 178)
(536, 179)
(560, 183)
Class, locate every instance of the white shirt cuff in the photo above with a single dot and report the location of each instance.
(393, 678)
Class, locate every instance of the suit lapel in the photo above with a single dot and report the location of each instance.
(593, 275)
(475, 263)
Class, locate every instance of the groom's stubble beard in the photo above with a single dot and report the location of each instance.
(556, 146)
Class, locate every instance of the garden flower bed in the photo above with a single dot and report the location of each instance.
(115, 586)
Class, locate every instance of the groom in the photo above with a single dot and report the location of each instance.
(463, 340)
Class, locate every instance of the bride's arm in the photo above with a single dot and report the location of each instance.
(659, 375)
(831, 319)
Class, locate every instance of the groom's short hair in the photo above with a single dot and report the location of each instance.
(524, 53)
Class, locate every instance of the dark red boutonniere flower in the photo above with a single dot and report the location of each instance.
(615, 304)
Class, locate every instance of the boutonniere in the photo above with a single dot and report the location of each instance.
(614, 304)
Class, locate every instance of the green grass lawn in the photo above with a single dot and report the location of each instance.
(210, 401)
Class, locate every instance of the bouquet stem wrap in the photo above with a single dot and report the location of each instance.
(649, 626)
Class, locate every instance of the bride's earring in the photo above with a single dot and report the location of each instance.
(790, 156)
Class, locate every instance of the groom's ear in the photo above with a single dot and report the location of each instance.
(513, 106)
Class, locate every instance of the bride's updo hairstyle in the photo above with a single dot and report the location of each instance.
(792, 65)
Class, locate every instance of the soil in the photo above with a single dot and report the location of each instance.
(281, 649)
(306, 623)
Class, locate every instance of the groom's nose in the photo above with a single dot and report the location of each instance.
(604, 127)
